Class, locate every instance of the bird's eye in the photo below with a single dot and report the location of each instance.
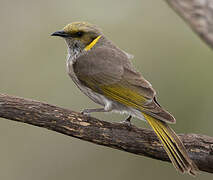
(79, 33)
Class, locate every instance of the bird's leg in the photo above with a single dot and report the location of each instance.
(127, 120)
(88, 111)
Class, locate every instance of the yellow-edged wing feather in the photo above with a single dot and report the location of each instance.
(172, 144)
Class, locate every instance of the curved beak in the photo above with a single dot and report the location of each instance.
(60, 33)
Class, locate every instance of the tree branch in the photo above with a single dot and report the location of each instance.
(198, 14)
(115, 135)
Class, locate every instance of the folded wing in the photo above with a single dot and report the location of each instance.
(109, 72)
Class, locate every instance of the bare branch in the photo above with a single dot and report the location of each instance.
(198, 14)
(115, 135)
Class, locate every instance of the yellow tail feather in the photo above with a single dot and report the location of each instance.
(173, 146)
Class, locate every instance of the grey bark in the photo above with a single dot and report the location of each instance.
(115, 135)
(198, 14)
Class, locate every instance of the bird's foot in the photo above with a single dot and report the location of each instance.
(127, 121)
(86, 112)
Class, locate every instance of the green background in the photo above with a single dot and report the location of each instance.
(32, 65)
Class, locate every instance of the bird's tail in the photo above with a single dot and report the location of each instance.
(173, 146)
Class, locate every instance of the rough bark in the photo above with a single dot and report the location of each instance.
(198, 14)
(115, 135)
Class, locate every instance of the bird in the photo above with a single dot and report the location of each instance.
(105, 73)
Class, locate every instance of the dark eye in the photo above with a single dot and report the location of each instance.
(79, 33)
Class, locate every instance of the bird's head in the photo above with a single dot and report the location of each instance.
(81, 35)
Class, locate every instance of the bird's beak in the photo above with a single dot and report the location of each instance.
(60, 33)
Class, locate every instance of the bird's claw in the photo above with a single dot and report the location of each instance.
(85, 112)
(127, 121)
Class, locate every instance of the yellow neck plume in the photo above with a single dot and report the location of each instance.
(88, 47)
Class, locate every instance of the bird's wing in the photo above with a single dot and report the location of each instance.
(109, 72)
(100, 66)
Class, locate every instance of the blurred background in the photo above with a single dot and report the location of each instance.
(32, 65)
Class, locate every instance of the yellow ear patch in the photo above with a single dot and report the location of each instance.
(88, 47)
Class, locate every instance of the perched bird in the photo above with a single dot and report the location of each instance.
(106, 75)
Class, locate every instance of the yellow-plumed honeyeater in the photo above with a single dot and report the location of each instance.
(106, 75)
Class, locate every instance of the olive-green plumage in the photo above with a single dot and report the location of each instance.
(105, 74)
